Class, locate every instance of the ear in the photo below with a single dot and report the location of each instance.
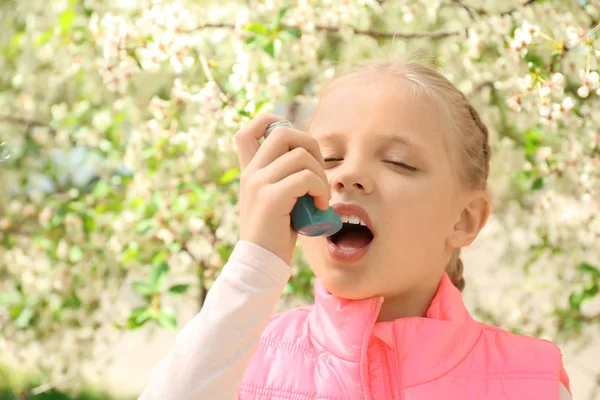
(472, 219)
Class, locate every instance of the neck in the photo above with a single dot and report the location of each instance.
(413, 303)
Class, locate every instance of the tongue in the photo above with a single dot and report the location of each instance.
(353, 240)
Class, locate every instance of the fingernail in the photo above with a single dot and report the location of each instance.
(276, 124)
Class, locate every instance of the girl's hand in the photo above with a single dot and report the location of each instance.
(287, 166)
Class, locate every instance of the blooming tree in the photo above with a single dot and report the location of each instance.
(123, 175)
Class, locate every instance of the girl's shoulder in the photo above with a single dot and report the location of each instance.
(516, 353)
(518, 342)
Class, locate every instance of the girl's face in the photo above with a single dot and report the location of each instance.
(386, 152)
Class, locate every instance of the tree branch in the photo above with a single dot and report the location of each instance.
(515, 9)
(394, 35)
(29, 123)
(483, 85)
(373, 34)
(225, 97)
(473, 11)
(294, 106)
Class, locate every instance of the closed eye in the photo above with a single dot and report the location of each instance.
(402, 165)
(330, 160)
(396, 163)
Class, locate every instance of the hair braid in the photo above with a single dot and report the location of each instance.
(455, 267)
(486, 136)
(455, 270)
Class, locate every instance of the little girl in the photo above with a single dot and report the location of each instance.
(402, 156)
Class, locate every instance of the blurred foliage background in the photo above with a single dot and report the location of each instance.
(119, 178)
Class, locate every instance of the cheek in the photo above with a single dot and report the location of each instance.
(422, 205)
(419, 192)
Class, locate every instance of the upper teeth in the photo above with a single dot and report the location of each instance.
(352, 219)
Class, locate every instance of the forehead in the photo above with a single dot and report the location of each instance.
(379, 106)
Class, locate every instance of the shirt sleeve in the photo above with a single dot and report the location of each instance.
(211, 353)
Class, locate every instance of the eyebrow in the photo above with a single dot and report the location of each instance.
(385, 137)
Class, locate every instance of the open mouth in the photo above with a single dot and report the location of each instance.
(352, 236)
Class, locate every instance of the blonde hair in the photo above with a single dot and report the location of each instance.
(457, 112)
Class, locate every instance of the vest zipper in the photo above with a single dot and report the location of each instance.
(365, 346)
(393, 374)
(396, 382)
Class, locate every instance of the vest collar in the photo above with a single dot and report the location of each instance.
(424, 347)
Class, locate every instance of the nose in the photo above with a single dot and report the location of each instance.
(351, 177)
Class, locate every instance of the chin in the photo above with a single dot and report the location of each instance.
(344, 285)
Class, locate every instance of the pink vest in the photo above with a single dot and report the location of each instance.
(334, 350)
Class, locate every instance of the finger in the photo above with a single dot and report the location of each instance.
(322, 202)
(281, 141)
(247, 138)
(305, 182)
(291, 162)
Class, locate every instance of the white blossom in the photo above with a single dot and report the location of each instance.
(149, 86)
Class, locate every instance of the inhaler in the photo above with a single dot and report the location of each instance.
(307, 219)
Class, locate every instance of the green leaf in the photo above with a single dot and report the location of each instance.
(229, 176)
(225, 251)
(167, 319)
(136, 202)
(590, 269)
(132, 53)
(256, 27)
(175, 247)
(72, 302)
(101, 189)
(288, 289)
(295, 32)
(131, 253)
(575, 301)
(144, 225)
(535, 60)
(524, 176)
(15, 45)
(259, 106)
(273, 47)
(178, 289)
(155, 203)
(139, 317)
(89, 223)
(43, 38)
(198, 191)
(539, 183)
(269, 48)
(142, 288)
(25, 317)
(16, 310)
(280, 14)
(76, 254)
(10, 299)
(591, 290)
(532, 142)
(148, 153)
(159, 257)
(65, 20)
(158, 275)
(250, 39)
(286, 36)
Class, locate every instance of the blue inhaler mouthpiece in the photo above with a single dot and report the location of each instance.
(307, 219)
